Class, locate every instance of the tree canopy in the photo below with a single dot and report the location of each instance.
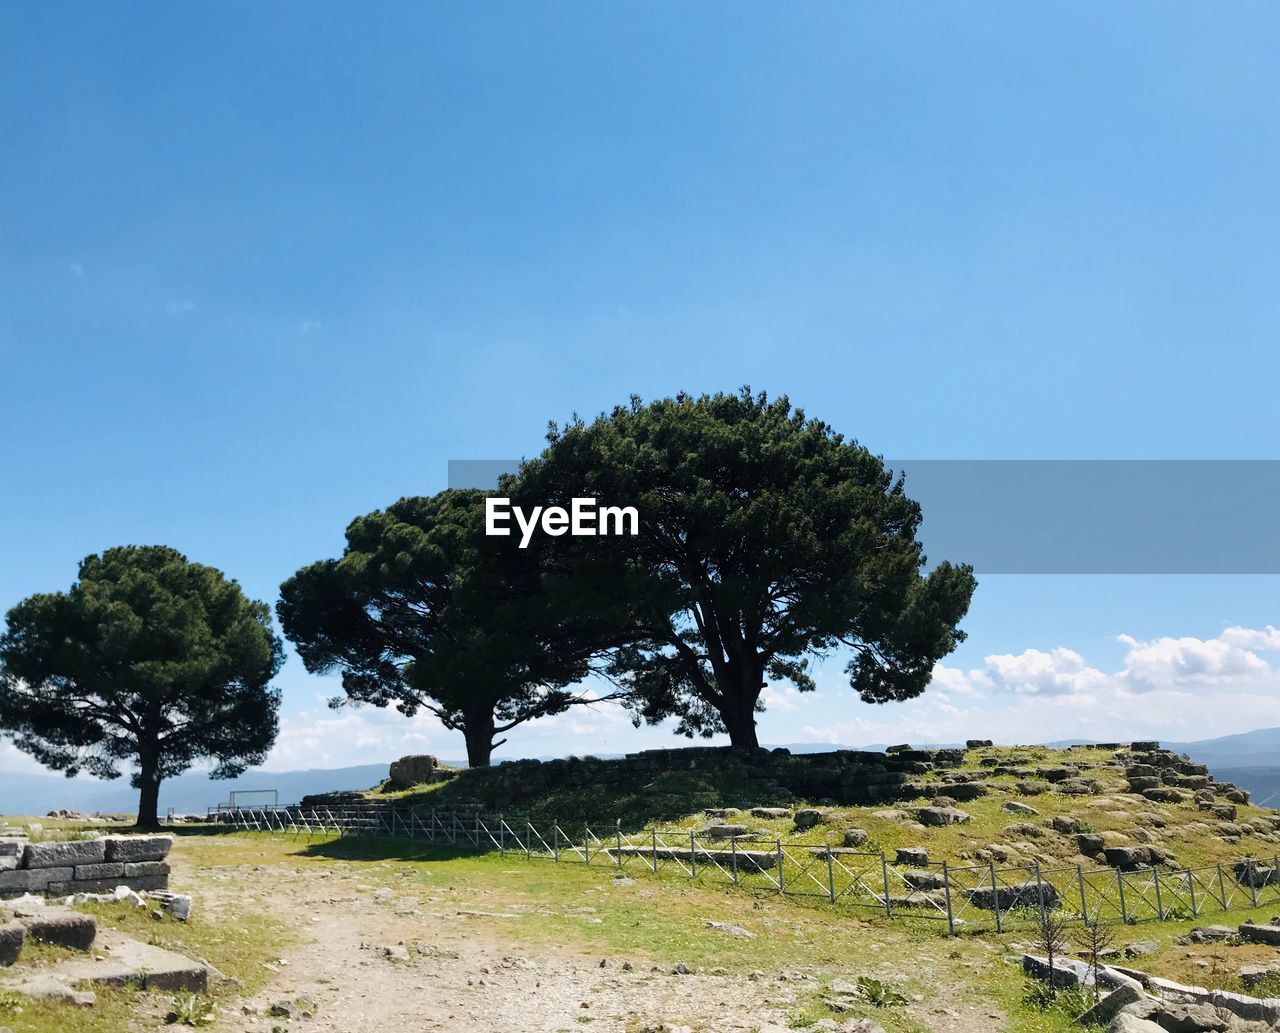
(148, 658)
(766, 540)
(423, 611)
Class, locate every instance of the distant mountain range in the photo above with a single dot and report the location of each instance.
(1251, 760)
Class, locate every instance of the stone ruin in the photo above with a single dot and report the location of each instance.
(100, 865)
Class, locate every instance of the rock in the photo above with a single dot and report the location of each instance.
(1127, 856)
(137, 848)
(1207, 934)
(1027, 894)
(913, 856)
(964, 791)
(937, 816)
(1174, 1017)
(178, 905)
(1032, 787)
(1268, 934)
(681, 969)
(1066, 824)
(63, 929)
(977, 744)
(855, 837)
(1127, 1023)
(59, 855)
(722, 831)
(1091, 843)
(1141, 783)
(1140, 948)
(1110, 1006)
(413, 770)
(1078, 787)
(1252, 975)
(770, 812)
(12, 936)
(1013, 807)
(807, 818)
(924, 879)
(730, 929)
(1167, 795)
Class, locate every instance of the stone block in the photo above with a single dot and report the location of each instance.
(12, 936)
(60, 855)
(1268, 934)
(31, 880)
(65, 930)
(140, 869)
(138, 848)
(106, 870)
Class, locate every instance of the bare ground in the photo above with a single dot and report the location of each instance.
(378, 950)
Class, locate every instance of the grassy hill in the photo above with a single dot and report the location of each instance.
(1017, 804)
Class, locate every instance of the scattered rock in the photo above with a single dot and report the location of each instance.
(807, 818)
(1013, 807)
(914, 856)
(732, 930)
(855, 837)
(937, 816)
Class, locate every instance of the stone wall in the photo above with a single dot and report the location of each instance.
(84, 865)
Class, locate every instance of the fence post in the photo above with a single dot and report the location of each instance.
(477, 830)
(1253, 882)
(1222, 889)
(618, 828)
(946, 887)
(454, 840)
(733, 854)
(586, 843)
(528, 840)
(1155, 874)
(693, 856)
(1191, 888)
(995, 897)
(831, 875)
(1124, 914)
(655, 851)
(1040, 896)
(884, 872)
(555, 842)
(1084, 900)
(432, 837)
(781, 883)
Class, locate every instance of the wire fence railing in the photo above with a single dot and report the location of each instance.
(963, 897)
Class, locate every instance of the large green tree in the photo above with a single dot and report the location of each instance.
(765, 540)
(423, 611)
(148, 658)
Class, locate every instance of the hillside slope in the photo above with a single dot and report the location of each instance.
(1126, 806)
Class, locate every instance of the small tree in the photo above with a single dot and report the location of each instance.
(766, 539)
(1094, 940)
(1051, 938)
(148, 658)
(424, 612)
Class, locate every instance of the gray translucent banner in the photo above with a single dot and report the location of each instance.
(1074, 516)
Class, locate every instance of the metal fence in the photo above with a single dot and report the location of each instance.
(964, 897)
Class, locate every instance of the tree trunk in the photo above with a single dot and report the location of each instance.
(149, 795)
(478, 730)
(739, 717)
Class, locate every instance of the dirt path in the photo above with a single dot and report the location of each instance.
(380, 952)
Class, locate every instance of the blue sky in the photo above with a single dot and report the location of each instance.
(263, 268)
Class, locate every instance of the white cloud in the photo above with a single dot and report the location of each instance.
(76, 269)
(307, 325)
